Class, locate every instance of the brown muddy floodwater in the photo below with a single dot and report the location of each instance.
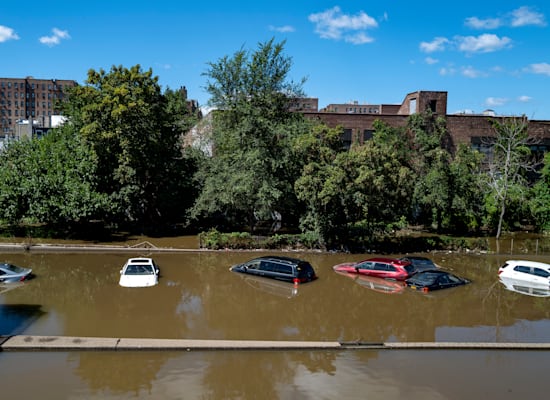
(77, 294)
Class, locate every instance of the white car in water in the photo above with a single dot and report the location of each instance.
(527, 271)
(139, 272)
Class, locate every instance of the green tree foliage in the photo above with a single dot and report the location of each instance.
(136, 134)
(448, 186)
(540, 197)
(432, 194)
(252, 171)
(359, 192)
(466, 188)
(50, 180)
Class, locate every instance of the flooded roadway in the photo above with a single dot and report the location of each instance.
(77, 294)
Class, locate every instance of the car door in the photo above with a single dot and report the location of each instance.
(366, 268)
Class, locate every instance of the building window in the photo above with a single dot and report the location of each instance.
(346, 138)
(412, 106)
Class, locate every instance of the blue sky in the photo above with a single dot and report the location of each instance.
(486, 55)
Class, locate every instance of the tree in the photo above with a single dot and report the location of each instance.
(50, 180)
(252, 171)
(509, 162)
(432, 193)
(540, 198)
(356, 193)
(136, 134)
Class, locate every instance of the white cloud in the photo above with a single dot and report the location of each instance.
(430, 60)
(524, 99)
(358, 38)
(333, 24)
(540, 68)
(446, 71)
(55, 39)
(484, 43)
(7, 34)
(282, 29)
(471, 72)
(438, 44)
(524, 16)
(489, 23)
(495, 101)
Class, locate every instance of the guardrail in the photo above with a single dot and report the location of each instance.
(68, 343)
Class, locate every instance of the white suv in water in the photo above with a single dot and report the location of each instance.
(528, 271)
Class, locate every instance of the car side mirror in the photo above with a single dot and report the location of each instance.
(121, 271)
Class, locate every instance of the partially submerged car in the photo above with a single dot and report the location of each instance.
(139, 272)
(381, 267)
(278, 267)
(526, 271)
(12, 273)
(428, 281)
(421, 263)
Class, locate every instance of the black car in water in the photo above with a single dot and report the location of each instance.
(428, 281)
(420, 263)
(278, 267)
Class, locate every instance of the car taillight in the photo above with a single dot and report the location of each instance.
(22, 278)
(425, 289)
(296, 281)
(499, 271)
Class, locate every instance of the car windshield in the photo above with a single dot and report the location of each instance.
(139, 270)
(13, 268)
(425, 278)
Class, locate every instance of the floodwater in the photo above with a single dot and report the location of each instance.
(77, 294)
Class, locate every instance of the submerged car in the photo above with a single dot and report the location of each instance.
(278, 267)
(13, 273)
(139, 272)
(526, 271)
(428, 281)
(421, 263)
(381, 267)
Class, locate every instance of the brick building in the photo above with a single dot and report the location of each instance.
(357, 120)
(28, 104)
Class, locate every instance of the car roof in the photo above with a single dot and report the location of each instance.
(388, 260)
(285, 259)
(140, 260)
(528, 263)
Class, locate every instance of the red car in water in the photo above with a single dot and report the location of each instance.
(381, 267)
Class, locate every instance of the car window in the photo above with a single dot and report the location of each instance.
(541, 272)
(253, 265)
(282, 268)
(381, 267)
(524, 269)
(454, 279)
(266, 266)
(366, 265)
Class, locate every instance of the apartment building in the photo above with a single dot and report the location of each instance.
(27, 104)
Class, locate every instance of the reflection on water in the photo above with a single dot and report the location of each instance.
(426, 375)
(527, 288)
(198, 298)
(376, 284)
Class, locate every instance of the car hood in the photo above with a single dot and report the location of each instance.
(344, 267)
(138, 280)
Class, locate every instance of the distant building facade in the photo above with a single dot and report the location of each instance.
(357, 120)
(27, 105)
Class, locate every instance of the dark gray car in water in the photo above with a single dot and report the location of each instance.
(278, 267)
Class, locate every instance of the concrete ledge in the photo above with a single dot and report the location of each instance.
(68, 343)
